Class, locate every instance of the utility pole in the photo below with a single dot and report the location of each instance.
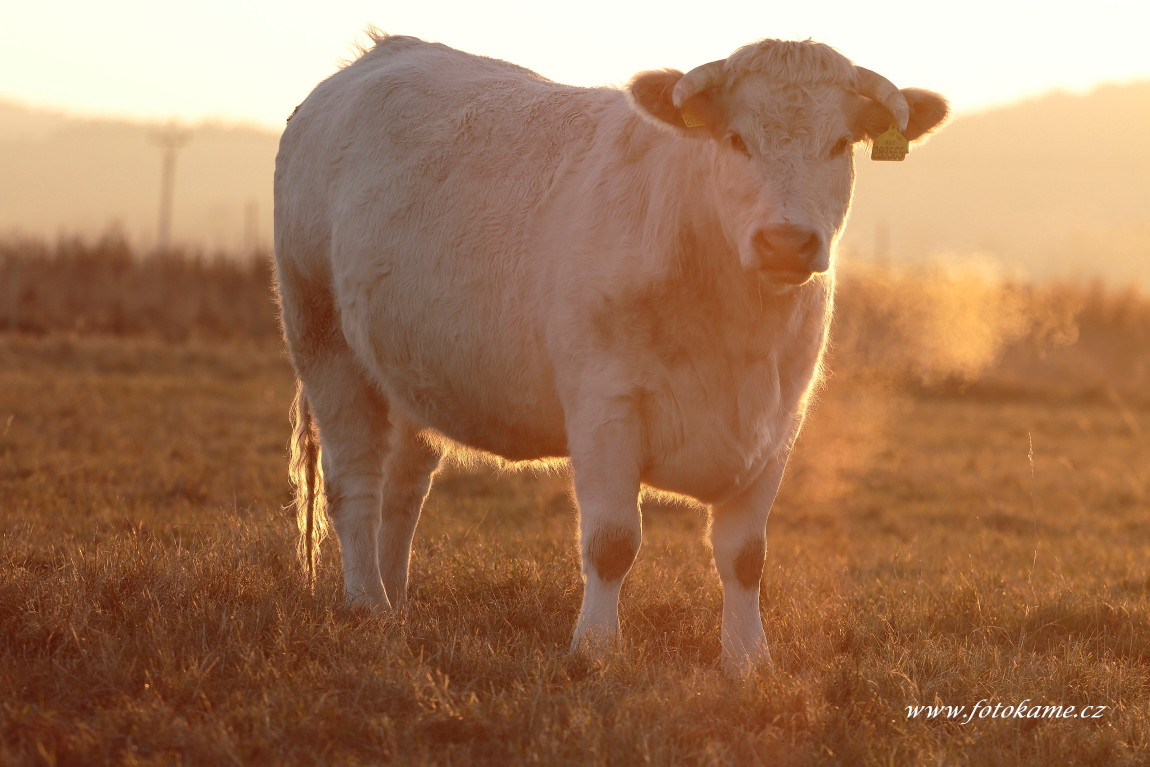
(170, 140)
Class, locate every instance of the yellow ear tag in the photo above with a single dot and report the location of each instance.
(692, 120)
(891, 145)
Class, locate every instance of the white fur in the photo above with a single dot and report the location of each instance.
(468, 251)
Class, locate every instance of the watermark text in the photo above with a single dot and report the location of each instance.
(984, 709)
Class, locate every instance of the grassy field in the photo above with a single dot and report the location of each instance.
(966, 519)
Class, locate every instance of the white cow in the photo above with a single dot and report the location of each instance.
(469, 254)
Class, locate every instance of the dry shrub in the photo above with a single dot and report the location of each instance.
(104, 286)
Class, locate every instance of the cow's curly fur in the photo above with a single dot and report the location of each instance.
(793, 62)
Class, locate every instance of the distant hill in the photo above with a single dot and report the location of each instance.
(1050, 187)
(1056, 186)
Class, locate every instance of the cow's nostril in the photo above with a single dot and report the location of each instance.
(789, 247)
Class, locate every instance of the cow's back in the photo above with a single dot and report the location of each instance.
(405, 186)
(410, 123)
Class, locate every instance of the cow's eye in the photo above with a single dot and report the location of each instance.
(841, 147)
(737, 143)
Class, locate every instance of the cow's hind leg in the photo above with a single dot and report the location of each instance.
(739, 542)
(411, 461)
(354, 432)
(605, 459)
(353, 422)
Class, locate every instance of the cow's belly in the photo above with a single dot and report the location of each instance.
(468, 376)
(522, 429)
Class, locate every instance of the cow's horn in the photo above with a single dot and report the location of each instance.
(875, 86)
(699, 79)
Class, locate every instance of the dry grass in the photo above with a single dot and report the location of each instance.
(152, 610)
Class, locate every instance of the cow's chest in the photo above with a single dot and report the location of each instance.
(720, 394)
(711, 427)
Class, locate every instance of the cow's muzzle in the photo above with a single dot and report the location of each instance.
(789, 254)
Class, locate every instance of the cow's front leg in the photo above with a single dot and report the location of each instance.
(739, 543)
(605, 459)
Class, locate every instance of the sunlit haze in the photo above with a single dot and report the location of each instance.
(252, 62)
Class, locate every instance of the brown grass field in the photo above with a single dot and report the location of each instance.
(966, 518)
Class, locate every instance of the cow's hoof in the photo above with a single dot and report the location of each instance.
(743, 665)
(595, 643)
(371, 602)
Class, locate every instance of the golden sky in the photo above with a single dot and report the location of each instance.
(252, 61)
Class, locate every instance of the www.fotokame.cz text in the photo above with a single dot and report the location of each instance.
(986, 710)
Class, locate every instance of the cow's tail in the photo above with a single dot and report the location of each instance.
(307, 481)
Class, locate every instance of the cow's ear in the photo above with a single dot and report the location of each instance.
(699, 116)
(927, 112)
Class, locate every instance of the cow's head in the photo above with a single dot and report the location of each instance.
(782, 119)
